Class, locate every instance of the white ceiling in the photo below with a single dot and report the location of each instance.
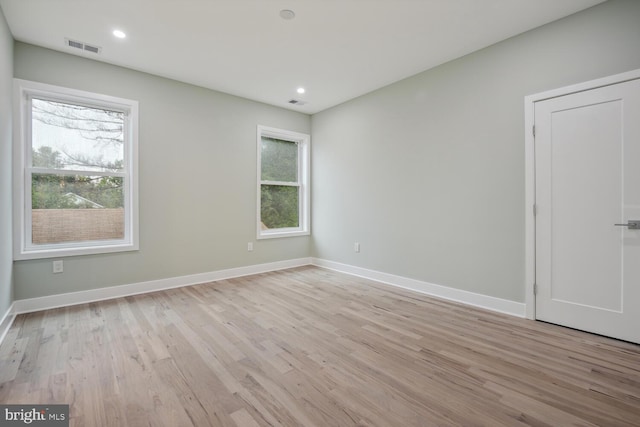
(336, 49)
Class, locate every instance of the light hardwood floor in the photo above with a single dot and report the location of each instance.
(310, 347)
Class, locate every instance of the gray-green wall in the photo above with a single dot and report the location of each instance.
(197, 178)
(428, 173)
(6, 84)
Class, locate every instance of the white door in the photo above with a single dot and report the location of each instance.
(587, 178)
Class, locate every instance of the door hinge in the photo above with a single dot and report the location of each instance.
(535, 289)
(533, 130)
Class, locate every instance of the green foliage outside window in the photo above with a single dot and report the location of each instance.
(279, 206)
(279, 160)
(52, 191)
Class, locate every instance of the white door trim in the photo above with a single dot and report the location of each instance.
(530, 178)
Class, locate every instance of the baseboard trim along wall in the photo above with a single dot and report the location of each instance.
(470, 298)
(6, 322)
(101, 294)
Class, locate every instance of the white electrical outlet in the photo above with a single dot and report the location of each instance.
(58, 266)
(356, 247)
(250, 246)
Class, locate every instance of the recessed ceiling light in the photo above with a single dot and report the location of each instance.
(287, 14)
(301, 90)
(119, 34)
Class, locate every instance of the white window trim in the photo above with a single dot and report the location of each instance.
(304, 149)
(23, 249)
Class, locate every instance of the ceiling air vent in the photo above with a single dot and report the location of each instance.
(89, 48)
(75, 44)
(296, 102)
(82, 46)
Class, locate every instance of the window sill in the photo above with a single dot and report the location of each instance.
(73, 251)
(281, 233)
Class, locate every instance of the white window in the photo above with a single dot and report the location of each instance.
(75, 172)
(283, 183)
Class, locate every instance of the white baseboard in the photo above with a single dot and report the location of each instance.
(477, 300)
(6, 322)
(93, 295)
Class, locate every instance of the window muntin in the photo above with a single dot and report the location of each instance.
(283, 187)
(78, 183)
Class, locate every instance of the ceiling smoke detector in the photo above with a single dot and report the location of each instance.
(82, 46)
(287, 14)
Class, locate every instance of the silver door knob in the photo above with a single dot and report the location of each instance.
(633, 224)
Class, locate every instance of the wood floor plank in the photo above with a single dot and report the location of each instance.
(311, 347)
(242, 418)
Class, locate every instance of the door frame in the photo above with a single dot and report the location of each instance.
(530, 177)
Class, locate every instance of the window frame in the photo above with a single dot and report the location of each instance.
(23, 169)
(304, 148)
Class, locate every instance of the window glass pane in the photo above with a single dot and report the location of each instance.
(279, 206)
(279, 160)
(76, 208)
(68, 136)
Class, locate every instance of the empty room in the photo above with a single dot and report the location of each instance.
(261, 213)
